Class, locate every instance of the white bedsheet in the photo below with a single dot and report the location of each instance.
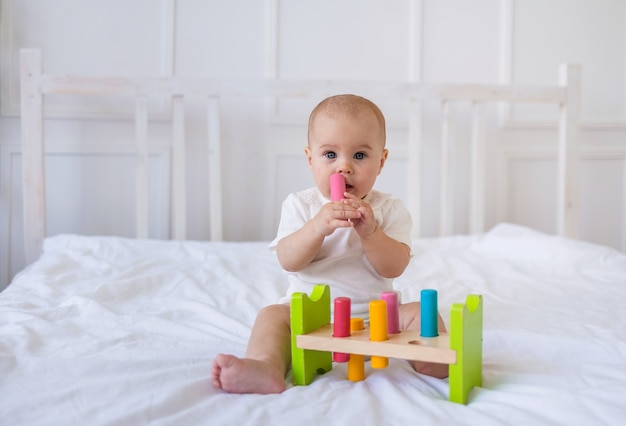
(113, 331)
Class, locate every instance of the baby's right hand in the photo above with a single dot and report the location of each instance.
(334, 215)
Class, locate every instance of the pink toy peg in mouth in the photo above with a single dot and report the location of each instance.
(337, 187)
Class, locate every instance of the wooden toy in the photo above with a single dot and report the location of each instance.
(308, 314)
(313, 341)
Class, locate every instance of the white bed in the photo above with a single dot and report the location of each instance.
(104, 330)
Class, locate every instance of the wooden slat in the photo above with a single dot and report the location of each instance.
(179, 185)
(189, 87)
(446, 205)
(477, 170)
(414, 203)
(568, 158)
(495, 93)
(33, 170)
(215, 168)
(141, 133)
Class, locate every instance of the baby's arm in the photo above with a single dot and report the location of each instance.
(297, 250)
(388, 256)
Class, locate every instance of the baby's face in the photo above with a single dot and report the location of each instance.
(348, 144)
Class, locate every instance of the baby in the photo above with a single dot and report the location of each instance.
(356, 245)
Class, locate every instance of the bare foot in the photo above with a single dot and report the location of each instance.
(246, 375)
(439, 371)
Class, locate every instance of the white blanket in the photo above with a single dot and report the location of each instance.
(113, 331)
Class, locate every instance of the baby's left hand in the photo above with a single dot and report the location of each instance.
(365, 224)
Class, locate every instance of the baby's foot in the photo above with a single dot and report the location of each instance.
(439, 371)
(246, 375)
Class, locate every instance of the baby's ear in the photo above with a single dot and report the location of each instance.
(383, 159)
(307, 152)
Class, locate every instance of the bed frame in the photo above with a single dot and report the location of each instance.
(37, 85)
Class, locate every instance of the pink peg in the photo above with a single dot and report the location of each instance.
(337, 187)
(341, 325)
(393, 318)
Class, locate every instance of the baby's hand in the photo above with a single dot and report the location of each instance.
(365, 223)
(333, 215)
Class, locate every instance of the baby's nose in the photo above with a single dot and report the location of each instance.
(345, 169)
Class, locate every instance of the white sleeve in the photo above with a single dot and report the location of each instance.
(397, 222)
(294, 214)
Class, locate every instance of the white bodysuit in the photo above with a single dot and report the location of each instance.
(341, 262)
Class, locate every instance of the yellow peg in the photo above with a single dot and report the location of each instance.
(378, 329)
(356, 364)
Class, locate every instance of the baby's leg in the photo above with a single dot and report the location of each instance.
(267, 356)
(410, 320)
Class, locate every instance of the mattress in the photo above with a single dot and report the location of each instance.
(116, 331)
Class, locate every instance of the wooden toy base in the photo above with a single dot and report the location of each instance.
(312, 342)
(404, 345)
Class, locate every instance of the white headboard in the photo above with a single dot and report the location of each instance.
(37, 86)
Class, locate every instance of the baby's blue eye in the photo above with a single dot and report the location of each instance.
(330, 155)
(359, 155)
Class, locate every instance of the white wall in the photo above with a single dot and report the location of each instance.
(482, 41)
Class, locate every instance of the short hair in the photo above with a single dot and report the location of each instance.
(347, 104)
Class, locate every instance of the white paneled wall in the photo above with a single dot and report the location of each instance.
(482, 41)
